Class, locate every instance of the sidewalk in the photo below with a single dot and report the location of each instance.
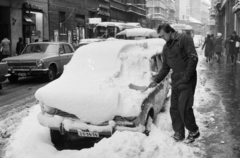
(218, 96)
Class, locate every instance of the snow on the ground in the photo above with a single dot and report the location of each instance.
(32, 140)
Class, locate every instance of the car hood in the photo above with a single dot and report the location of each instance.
(33, 56)
(95, 83)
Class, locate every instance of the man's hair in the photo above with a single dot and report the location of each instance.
(165, 27)
(234, 32)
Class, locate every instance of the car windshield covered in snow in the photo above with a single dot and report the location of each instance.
(41, 48)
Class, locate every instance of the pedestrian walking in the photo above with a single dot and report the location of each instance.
(227, 46)
(208, 44)
(20, 46)
(179, 54)
(218, 45)
(5, 47)
(234, 49)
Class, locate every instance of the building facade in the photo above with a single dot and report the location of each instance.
(62, 20)
(23, 18)
(226, 16)
(160, 11)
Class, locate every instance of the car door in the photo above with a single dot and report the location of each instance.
(69, 52)
(66, 53)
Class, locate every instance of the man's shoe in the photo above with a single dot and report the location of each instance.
(192, 136)
(178, 136)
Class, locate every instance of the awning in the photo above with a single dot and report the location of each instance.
(223, 3)
(193, 20)
(27, 19)
(80, 21)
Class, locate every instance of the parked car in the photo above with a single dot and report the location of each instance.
(42, 58)
(93, 67)
(3, 73)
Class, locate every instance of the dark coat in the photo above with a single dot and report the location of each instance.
(20, 47)
(209, 47)
(180, 55)
(232, 44)
(218, 44)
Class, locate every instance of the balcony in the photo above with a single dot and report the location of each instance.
(236, 8)
(212, 13)
(141, 6)
(171, 7)
(158, 16)
(151, 4)
(104, 6)
(132, 8)
(118, 5)
(217, 4)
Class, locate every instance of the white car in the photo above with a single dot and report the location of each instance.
(103, 89)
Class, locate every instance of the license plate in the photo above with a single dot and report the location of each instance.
(88, 134)
(22, 74)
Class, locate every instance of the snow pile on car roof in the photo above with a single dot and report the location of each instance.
(94, 85)
(139, 32)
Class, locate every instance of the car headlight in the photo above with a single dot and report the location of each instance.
(39, 63)
(4, 61)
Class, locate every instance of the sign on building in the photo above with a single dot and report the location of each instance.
(94, 20)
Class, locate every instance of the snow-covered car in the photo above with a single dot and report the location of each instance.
(103, 90)
(3, 73)
(40, 59)
(84, 42)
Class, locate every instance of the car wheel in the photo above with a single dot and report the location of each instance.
(13, 78)
(56, 137)
(52, 74)
(148, 124)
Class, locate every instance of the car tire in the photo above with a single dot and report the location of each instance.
(56, 137)
(148, 124)
(13, 78)
(52, 74)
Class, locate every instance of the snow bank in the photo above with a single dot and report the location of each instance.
(94, 85)
(35, 142)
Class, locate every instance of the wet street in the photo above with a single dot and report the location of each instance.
(218, 94)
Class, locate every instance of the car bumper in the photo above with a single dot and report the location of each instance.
(28, 72)
(72, 125)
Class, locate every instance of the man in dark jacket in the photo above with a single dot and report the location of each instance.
(179, 54)
(20, 46)
(234, 53)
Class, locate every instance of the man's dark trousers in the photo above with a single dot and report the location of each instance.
(181, 106)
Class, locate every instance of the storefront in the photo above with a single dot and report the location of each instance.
(33, 22)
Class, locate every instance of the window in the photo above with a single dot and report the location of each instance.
(62, 25)
(67, 49)
(61, 50)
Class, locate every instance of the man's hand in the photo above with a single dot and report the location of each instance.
(152, 84)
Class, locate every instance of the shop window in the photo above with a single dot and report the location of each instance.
(62, 25)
